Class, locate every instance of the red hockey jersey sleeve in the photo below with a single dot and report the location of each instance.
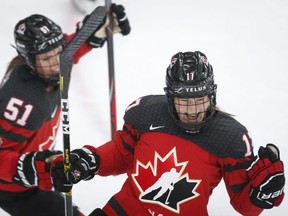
(116, 156)
(238, 187)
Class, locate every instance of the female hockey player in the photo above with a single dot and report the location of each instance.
(176, 148)
(30, 114)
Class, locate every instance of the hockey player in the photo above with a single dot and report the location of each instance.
(30, 114)
(176, 148)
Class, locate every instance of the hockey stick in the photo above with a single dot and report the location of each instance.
(112, 91)
(66, 63)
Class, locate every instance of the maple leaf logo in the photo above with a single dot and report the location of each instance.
(164, 182)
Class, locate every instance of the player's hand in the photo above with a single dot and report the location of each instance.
(33, 170)
(84, 164)
(120, 21)
(266, 175)
(120, 25)
(59, 179)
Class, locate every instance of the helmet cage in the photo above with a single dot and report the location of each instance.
(192, 127)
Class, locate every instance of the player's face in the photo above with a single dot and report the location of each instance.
(47, 64)
(191, 110)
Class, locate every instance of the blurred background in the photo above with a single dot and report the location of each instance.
(245, 41)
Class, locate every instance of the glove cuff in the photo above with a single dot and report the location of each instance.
(95, 42)
(96, 156)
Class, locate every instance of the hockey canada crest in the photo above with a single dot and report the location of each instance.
(164, 182)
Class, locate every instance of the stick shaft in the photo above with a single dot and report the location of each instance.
(111, 71)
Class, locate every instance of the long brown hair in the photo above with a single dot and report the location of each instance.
(218, 109)
(17, 60)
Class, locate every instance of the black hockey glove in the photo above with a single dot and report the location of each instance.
(84, 164)
(120, 19)
(60, 181)
(120, 24)
(33, 170)
(266, 175)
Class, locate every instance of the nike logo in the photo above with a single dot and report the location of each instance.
(154, 128)
(54, 112)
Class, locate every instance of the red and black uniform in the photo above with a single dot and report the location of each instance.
(29, 121)
(171, 172)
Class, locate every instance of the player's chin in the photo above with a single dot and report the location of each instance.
(53, 74)
(193, 121)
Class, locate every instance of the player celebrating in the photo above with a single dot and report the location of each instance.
(176, 148)
(30, 114)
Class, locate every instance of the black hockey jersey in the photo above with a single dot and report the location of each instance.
(29, 118)
(171, 172)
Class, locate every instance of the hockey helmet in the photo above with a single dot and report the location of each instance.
(36, 34)
(189, 75)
